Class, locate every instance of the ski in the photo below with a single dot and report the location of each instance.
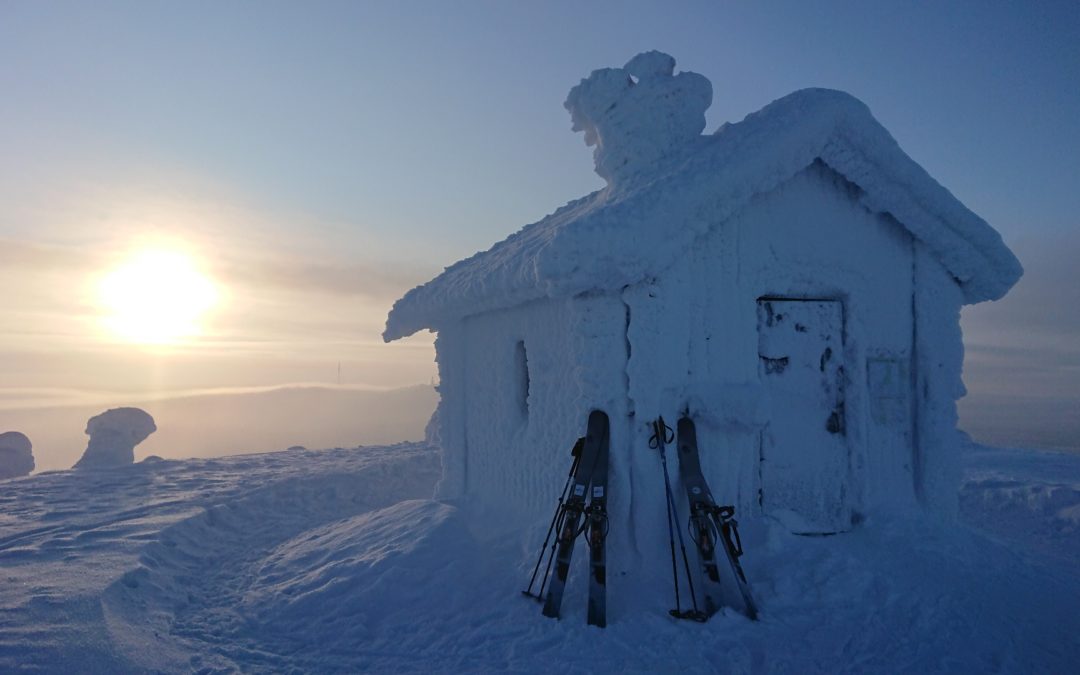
(710, 524)
(568, 523)
(539, 596)
(597, 528)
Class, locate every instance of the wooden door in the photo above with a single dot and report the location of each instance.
(804, 449)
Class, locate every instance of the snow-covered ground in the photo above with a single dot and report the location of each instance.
(339, 561)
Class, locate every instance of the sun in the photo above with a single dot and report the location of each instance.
(156, 297)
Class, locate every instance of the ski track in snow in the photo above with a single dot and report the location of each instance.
(338, 561)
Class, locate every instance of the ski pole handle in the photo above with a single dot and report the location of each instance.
(662, 434)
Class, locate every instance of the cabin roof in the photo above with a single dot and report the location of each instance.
(640, 225)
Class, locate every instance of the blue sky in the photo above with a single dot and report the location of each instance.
(327, 156)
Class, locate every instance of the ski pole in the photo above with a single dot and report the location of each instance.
(696, 615)
(674, 564)
(658, 441)
(576, 452)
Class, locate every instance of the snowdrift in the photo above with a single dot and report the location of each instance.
(338, 561)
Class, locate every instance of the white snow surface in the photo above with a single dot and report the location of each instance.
(339, 561)
(668, 188)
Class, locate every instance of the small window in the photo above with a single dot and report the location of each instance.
(521, 368)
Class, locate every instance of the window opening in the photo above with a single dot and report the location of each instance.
(522, 362)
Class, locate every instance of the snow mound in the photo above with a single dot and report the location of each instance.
(16, 455)
(669, 187)
(189, 588)
(344, 575)
(1027, 497)
(114, 435)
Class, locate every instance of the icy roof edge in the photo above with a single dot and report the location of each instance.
(620, 236)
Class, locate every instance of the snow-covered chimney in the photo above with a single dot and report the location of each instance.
(638, 114)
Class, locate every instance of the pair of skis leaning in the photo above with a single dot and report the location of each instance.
(710, 525)
(712, 528)
(588, 476)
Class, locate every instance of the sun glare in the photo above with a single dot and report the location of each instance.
(156, 297)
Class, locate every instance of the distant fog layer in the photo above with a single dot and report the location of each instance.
(211, 425)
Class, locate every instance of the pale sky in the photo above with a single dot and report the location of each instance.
(316, 160)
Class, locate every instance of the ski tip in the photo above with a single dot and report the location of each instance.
(598, 416)
(578, 445)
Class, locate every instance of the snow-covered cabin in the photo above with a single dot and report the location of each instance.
(794, 281)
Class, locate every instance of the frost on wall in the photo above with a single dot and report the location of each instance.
(16, 456)
(939, 349)
(451, 346)
(809, 197)
(114, 435)
(639, 113)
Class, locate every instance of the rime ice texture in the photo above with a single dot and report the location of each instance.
(684, 186)
(113, 437)
(638, 114)
(667, 292)
(16, 455)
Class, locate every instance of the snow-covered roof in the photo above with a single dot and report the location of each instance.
(668, 186)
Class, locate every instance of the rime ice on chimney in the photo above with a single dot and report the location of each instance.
(639, 115)
(793, 280)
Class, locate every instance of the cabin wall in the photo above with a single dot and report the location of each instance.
(939, 350)
(517, 387)
(811, 238)
(689, 340)
(450, 350)
(694, 336)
